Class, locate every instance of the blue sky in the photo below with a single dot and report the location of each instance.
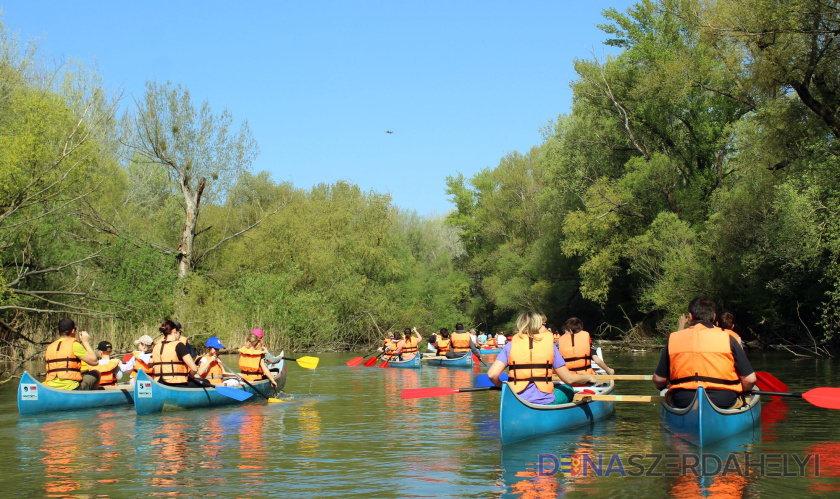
(460, 83)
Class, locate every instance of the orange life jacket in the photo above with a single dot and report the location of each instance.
(168, 368)
(460, 342)
(141, 364)
(443, 345)
(62, 363)
(249, 363)
(215, 373)
(734, 335)
(531, 362)
(701, 356)
(410, 347)
(577, 352)
(391, 347)
(107, 376)
(491, 343)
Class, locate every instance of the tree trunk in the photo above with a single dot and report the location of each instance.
(192, 208)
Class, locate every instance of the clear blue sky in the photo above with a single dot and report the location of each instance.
(460, 83)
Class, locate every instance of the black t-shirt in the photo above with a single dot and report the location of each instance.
(721, 398)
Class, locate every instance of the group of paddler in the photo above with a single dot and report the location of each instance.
(704, 352)
(71, 363)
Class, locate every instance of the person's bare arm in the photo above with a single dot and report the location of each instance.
(659, 382)
(495, 370)
(603, 365)
(573, 379)
(89, 359)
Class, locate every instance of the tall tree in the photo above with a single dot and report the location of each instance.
(201, 152)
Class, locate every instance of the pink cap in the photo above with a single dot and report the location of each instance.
(258, 333)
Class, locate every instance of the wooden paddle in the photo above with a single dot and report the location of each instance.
(270, 399)
(440, 391)
(483, 380)
(355, 361)
(588, 397)
(825, 397)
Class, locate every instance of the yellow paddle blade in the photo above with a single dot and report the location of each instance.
(272, 400)
(308, 362)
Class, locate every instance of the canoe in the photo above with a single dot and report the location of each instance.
(152, 397)
(34, 397)
(521, 420)
(406, 364)
(490, 351)
(703, 423)
(465, 361)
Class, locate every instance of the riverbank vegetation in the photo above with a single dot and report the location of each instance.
(702, 159)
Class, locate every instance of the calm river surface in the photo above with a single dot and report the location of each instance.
(347, 433)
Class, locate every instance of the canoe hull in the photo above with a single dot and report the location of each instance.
(465, 361)
(521, 420)
(701, 423)
(33, 397)
(490, 351)
(406, 364)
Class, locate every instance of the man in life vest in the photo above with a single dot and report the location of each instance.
(171, 359)
(209, 366)
(407, 347)
(532, 359)
(575, 346)
(108, 368)
(443, 342)
(141, 359)
(462, 343)
(64, 359)
(703, 355)
(252, 359)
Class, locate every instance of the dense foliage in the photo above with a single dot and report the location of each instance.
(701, 159)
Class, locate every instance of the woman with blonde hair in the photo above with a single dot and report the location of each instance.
(532, 357)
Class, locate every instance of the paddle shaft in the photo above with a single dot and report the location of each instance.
(777, 394)
(245, 381)
(587, 397)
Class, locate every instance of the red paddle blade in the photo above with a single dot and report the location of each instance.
(825, 397)
(424, 393)
(383, 365)
(355, 361)
(371, 361)
(770, 383)
(127, 357)
(476, 360)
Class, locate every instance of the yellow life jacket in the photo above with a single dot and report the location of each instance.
(576, 349)
(701, 356)
(168, 368)
(62, 363)
(531, 362)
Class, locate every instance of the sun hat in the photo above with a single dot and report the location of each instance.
(214, 342)
(145, 340)
(257, 332)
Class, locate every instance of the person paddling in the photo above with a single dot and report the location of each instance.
(532, 358)
(462, 343)
(173, 363)
(703, 355)
(575, 345)
(209, 367)
(64, 358)
(252, 359)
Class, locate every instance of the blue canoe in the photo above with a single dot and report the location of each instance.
(406, 364)
(34, 397)
(151, 397)
(465, 361)
(520, 420)
(490, 351)
(703, 423)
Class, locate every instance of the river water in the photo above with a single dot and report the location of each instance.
(347, 433)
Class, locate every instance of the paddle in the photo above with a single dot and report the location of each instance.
(373, 360)
(825, 397)
(355, 361)
(476, 358)
(484, 380)
(440, 391)
(768, 382)
(234, 393)
(305, 362)
(383, 365)
(587, 397)
(270, 399)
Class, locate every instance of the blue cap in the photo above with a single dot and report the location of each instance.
(214, 342)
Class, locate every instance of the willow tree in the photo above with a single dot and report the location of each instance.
(199, 150)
